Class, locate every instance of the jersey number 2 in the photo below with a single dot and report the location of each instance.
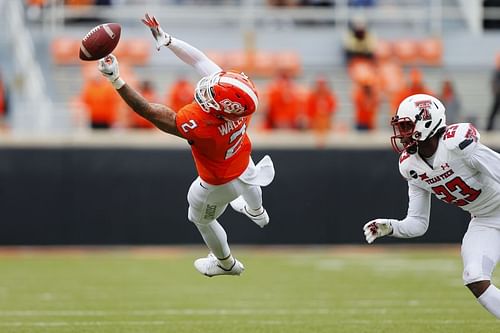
(236, 138)
(469, 194)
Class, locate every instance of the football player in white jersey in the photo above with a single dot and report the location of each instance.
(449, 162)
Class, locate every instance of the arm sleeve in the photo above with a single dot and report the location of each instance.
(416, 221)
(486, 160)
(193, 57)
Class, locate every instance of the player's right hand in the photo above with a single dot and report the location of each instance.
(161, 37)
(377, 228)
(108, 66)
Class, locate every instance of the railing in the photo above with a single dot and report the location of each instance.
(424, 17)
(32, 108)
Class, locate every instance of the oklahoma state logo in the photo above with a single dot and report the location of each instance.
(424, 107)
(232, 107)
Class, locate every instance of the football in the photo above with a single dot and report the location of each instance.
(100, 41)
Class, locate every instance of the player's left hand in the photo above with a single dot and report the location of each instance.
(161, 37)
(377, 228)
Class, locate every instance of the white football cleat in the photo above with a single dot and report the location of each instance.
(210, 266)
(260, 218)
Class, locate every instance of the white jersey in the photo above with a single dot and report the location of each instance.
(463, 172)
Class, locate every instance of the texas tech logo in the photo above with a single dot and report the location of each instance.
(424, 107)
(232, 107)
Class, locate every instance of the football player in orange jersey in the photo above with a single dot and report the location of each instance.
(215, 125)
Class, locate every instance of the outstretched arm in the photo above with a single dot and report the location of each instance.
(184, 51)
(415, 223)
(160, 115)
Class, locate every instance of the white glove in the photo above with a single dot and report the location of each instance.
(377, 228)
(108, 66)
(161, 37)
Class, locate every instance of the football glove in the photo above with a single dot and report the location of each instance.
(377, 228)
(108, 66)
(161, 37)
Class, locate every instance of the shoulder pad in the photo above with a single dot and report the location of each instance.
(460, 136)
(404, 165)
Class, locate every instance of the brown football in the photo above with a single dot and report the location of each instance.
(100, 41)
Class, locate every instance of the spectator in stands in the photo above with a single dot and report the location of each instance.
(146, 89)
(495, 89)
(451, 101)
(321, 105)
(284, 103)
(181, 93)
(34, 9)
(4, 103)
(366, 102)
(359, 42)
(414, 86)
(101, 102)
(361, 3)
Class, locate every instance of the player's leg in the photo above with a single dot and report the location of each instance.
(250, 203)
(480, 254)
(206, 204)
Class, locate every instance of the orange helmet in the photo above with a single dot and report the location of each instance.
(230, 95)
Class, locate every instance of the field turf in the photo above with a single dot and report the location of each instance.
(284, 289)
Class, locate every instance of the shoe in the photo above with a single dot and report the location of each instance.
(210, 266)
(261, 219)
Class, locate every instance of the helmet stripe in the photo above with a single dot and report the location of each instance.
(249, 91)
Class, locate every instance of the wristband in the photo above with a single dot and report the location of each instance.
(118, 83)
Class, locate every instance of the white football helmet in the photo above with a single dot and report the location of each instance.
(418, 118)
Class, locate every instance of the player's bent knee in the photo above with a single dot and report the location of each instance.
(475, 272)
(478, 287)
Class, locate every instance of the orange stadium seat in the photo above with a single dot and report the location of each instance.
(430, 51)
(391, 77)
(264, 64)
(383, 50)
(406, 51)
(236, 60)
(65, 51)
(138, 51)
(288, 61)
(360, 69)
(218, 57)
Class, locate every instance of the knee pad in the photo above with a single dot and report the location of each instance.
(478, 271)
(193, 216)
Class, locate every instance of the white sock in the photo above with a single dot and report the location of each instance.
(215, 237)
(490, 299)
(255, 212)
(227, 262)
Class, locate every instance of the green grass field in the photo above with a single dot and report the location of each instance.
(289, 290)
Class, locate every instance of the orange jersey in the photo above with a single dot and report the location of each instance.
(221, 148)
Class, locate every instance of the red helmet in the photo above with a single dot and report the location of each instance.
(229, 95)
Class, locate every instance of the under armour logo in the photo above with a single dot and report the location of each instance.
(445, 166)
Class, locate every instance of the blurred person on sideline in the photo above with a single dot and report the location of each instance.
(366, 100)
(101, 103)
(495, 89)
(147, 90)
(451, 101)
(359, 42)
(4, 103)
(415, 85)
(321, 105)
(449, 162)
(215, 126)
(180, 94)
(284, 102)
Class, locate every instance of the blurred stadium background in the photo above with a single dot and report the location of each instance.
(65, 182)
